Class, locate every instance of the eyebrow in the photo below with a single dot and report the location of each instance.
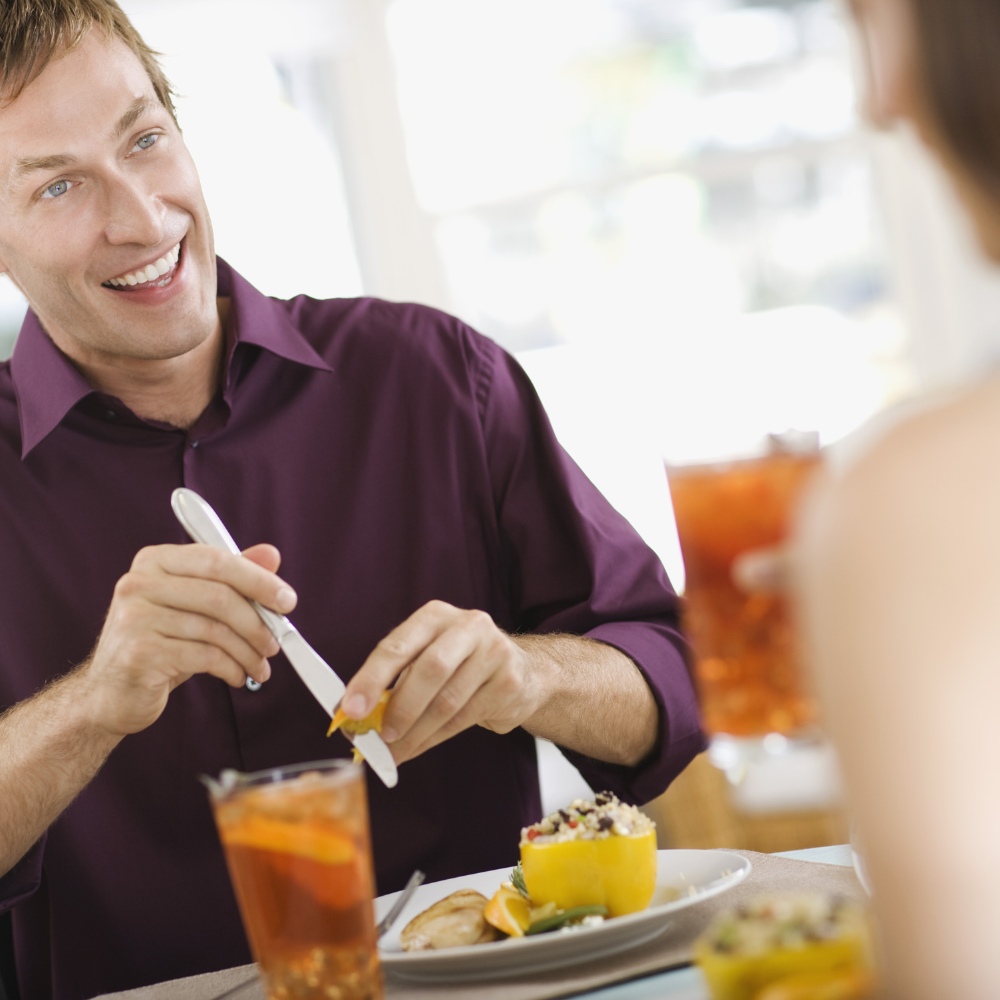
(135, 111)
(29, 164)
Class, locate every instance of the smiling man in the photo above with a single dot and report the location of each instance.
(399, 467)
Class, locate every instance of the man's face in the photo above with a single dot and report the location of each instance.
(96, 188)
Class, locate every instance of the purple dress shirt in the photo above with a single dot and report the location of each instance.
(394, 456)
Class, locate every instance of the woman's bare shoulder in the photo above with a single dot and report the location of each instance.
(938, 457)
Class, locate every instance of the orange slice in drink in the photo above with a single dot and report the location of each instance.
(300, 839)
(373, 720)
(508, 911)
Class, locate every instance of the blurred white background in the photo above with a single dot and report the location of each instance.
(668, 209)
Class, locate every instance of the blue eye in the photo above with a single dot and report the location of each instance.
(57, 189)
(147, 141)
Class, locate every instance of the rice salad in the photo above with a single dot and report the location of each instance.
(606, 816)
(785, 920)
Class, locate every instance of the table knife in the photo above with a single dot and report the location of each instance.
(203, 525)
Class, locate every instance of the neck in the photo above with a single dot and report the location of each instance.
(174, 391)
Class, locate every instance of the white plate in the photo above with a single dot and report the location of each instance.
(696, 875)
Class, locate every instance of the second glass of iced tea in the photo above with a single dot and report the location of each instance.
(298, 847)
(747, 669)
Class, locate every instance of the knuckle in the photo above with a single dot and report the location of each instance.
(435, 666)
(392, 645)
(127, 618)
(144, 557)
(448, 703)
(128, 585)
(499, 647)
(479, 619)
(262, 637)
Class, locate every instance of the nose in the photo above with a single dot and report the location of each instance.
(134, 214)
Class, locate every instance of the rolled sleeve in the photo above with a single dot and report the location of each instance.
(655, 650)
(577, 566)
(24, 879)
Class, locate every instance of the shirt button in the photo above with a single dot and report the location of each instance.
(194, 444)
(110, 415)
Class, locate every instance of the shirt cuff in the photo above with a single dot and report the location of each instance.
(655, 649)
(24, 878)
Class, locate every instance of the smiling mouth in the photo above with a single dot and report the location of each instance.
(159, 274)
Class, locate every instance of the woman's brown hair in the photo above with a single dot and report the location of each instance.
(959, 53)
(33, 31)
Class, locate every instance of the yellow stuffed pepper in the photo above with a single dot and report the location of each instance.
(780, 939)
(600, 853)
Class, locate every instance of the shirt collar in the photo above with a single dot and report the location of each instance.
(48, 385)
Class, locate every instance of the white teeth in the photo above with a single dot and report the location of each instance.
(151, 271)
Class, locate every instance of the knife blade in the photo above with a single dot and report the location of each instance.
(203, 525)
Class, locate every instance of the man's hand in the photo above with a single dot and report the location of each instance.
(453, 669)
(182, 610)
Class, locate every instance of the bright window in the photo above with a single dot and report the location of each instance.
(667, 210)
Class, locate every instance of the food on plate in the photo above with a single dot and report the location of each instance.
(509, 911)
(856, 984)
(512, 912)
(777, 939)
(451, 922)
(599, 853)
(578, 866)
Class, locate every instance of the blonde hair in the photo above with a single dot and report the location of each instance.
(32, 32)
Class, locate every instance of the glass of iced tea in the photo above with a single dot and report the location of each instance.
(298, 847)
(747, 669)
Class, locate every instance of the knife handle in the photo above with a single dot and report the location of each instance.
(205, 526)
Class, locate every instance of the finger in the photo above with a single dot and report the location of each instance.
(243, 575)
(264, 555)
(191, 658)
(469, 715)
(469, 656)
(498, 705)
(393, 654)
(438, 686)
(204, 631)
(150, 592)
